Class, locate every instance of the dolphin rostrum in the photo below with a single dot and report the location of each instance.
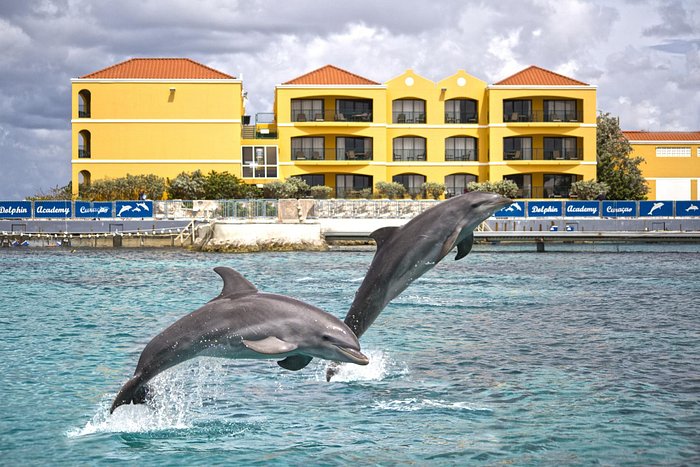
(244, 323)
(406, 253)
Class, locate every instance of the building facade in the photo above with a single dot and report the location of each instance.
(671, 164)
(332, 127)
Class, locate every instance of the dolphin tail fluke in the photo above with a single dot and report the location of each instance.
(133, 391)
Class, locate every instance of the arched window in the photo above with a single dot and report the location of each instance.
(409, 148)
(408, 111)
(84, 144)
(461, 148)
(84, 104)
(83, 181)
(456, 184)
(461, 111)
(412, 182)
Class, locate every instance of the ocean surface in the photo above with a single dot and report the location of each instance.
(500, 358)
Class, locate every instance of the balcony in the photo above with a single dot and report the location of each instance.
(461, 155)
(408, 117)
(330, 116)
(539, 116)
(539, 154)
(461, 117)
(409, 155)
(326, 154)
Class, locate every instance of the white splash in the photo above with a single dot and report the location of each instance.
(413, 404)
(177, 394)
(380, 366)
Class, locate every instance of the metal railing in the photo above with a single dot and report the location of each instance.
(370, 208)
(540, 154)
(330, 116)
(461, 117)
(84, 153)
(409, 155)
(461, 155)
(408, 117)
(329, 154)
(540, 116)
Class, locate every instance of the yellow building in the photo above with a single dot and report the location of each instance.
(332, 127)
(671, 162)
(155, 116)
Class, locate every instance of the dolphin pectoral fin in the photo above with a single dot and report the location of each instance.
(382, 235)
(465, 246)
(234, 283)
(270, 346)
(295, 362)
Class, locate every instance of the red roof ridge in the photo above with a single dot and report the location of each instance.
(134, 61)
(531, 74)
(321, 74)
(645, 135)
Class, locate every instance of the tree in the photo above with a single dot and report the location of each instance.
(589, 189)
(57, 193)
(616, 167)
(129, 187)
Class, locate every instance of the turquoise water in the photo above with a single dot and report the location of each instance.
(500, 358)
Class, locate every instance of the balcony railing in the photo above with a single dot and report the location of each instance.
(330, 116)
(460, 155)
(539, 154)
(461, 117)
(543, 192)
(409, 154)
(540, 116)
(84, 153)
(408, 117)
(83, 114)
(326, 154)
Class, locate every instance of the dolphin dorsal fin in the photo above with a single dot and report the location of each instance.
(234, 283)
(382, 235)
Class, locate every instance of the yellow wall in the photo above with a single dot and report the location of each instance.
(198, 126)
(669, 171)
(164, 132)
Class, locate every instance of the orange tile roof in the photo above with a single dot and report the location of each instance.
(331, 75)
(662, 135)
(158, 68)
(536, 76)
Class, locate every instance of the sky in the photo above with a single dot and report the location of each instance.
(643, 56)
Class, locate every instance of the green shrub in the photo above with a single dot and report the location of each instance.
(129, 187)
(320, 191)
(507, 188)
(432, 190)
(391, 190)
(187, 186)
(223, 185)
(588, 189)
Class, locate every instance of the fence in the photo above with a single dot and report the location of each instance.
(331, 208)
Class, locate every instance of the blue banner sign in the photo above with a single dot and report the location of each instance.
(619, 209)
(582, 209)
(133, 209)
(656, 208)
(687, 208)
(15, 209)
(544, 209)
(53, 209)
(93, 210)
(517, 209)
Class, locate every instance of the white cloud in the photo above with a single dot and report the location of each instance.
(644, 56)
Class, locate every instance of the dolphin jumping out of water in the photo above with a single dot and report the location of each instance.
(244, 323)
(406, 253)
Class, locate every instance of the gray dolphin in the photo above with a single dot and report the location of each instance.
(244, 323)
(406, 253)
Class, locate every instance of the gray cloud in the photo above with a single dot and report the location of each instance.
(642, 55)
